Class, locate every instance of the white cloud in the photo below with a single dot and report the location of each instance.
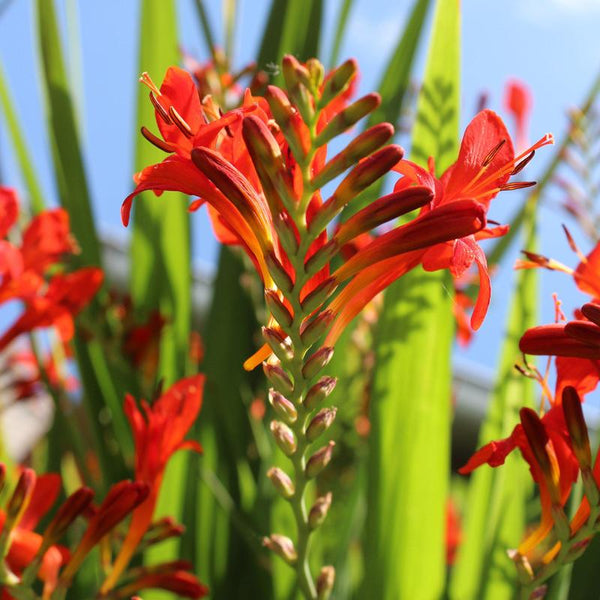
(549, 11)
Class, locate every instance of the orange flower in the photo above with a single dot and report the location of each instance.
(158, 432)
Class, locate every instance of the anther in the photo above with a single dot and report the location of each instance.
(180, 122)
(160, 109)
(490, 157)
(517, 185)
(156, 141)
(523, 163)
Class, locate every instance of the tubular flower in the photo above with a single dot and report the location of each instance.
(518, 101)
(159, 432)
(485, 163)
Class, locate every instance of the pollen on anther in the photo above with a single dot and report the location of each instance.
(492, 153)
(156, 141)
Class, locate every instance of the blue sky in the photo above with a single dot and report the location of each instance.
(551, 44)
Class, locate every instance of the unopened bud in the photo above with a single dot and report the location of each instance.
(287, 119)
(163, 529)
(325, 582)
(584, 331)
(571, 404)
(319, 510)
(284, 437)
(537, 438)
(318, 296)
(278, 343)
(287, 233)
(320, 423)
(282, 546)
(346, 118)
(590, 487)
(362, 176)
(321, 257)
(281, 481)
(319, 392)
(360, 147)
(279, 378)
(561, 523)
(277, 308)
(316, 71)
(72, 507)
(282, 406)
(338, 81)
(316, 362)
(277, 271)
(20, 497)
(313, 330)
(319, 460)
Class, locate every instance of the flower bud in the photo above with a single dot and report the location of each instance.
(279, 378)
(277, 308)
(287, 119)
(284, 436)
(584, 331)
(316, 297)
(338, 81)
(316, 362)
(163, 529)
(316, 71)
(287, 233)
(20, 497)
(346, 118)
(282, 546)
(319, 391)
(278, 343)
(321, 257)
(312, 331)
(320, 423)
(277, 271)
(325, 582)
(360, 147)
(561, 523)
(362, 176)
(537, 438)
(319, 510)
(571, 404)
(282, 406)
(319, 460)
(281, 482)
(72, 507)
(553, 339)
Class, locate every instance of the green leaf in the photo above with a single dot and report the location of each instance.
(160, 254)
(495, 510)
(223, 554)
(409, 443)
(293, 27)
(23, 155)
(340, 30)
(393, 89)
(64, 135)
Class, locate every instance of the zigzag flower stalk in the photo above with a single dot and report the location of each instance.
(260, 169)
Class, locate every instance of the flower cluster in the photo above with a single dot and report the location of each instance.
(28, 271)
(260, 169)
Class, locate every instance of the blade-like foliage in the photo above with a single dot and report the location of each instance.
(160, 251)
(293, 27)
(22, 153)
(64, 135)
(410, 412)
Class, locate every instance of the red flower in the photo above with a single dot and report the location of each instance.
(159, 431)
(518, 101)
(485, 163)
(65, 297)
(555, 477)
